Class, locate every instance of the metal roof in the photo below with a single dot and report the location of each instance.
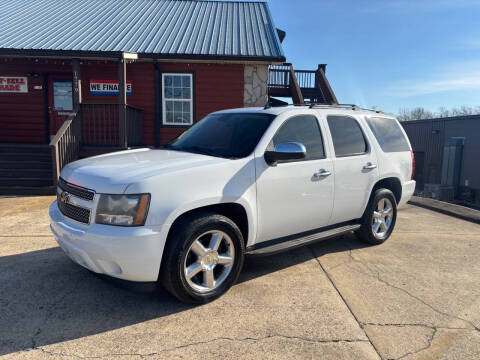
(150, 28)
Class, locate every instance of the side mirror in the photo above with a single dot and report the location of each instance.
(285, 151)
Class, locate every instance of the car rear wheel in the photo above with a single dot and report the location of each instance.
(203, 258)
(379, 218)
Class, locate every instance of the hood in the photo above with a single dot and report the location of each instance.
(113, 172)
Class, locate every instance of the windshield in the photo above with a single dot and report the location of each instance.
(230, 135)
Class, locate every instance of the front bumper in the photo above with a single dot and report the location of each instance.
(408, 189)
(129, 253)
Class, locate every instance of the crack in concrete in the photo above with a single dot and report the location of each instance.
(49, 312)
(315, 257)
(252, 339)
(426, 347)
(380, 279)
(416, 324)
(350, 259)
(430, 338)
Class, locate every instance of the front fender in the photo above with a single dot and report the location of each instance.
(197, 204)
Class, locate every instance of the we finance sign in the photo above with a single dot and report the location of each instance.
(107, 87)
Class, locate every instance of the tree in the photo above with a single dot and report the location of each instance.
(420, 113)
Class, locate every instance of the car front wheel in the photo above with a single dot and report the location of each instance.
(203, 258)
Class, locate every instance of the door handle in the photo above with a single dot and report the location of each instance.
(369, 166)
(322, 173)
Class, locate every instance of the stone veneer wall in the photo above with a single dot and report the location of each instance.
(255, 91)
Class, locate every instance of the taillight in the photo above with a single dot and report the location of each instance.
(413, 165)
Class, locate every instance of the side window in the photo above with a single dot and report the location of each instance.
(388, 134)
(348, 139)
(305, 130)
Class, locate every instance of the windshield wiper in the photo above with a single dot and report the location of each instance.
(198, 150)
(201, 150)
(169, 147)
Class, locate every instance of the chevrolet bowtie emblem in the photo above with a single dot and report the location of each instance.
(64, 197)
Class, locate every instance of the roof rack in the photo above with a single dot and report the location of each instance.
(342, 106)
(269, 105)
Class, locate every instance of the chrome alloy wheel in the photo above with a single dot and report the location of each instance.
(209, 260)
(382, 218)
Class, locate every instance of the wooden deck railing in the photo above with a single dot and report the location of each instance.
(102, 125)
(94, 125)
(283, 78)
(66, 144)
(279, 76)
(313, 84)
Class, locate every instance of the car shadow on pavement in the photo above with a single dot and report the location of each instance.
(258, 266)
(46, 299)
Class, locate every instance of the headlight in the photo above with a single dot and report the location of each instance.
(122, 210)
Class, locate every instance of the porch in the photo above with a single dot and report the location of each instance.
(285, 81)
(95, 129)
(80, 129)
(92, 129)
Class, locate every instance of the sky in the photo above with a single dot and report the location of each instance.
(388, 54)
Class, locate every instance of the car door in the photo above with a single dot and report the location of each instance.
(295, 196)
(355, 168)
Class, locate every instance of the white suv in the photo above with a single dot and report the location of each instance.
(239, 182)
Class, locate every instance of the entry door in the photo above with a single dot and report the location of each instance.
(419, 167)
(60, 102)
(294, 197)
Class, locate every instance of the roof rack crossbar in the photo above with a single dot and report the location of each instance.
(348, 106)
(343, 106)
(269, 105)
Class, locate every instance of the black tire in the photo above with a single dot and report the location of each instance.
(366, 233)
(172, 274)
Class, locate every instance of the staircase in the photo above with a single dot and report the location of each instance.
(26, 169)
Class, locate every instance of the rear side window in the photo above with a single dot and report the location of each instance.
(348, 139)
(388, 134)
(305, 130)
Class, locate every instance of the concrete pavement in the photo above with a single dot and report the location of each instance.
(414, 297)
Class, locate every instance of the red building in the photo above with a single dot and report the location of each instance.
(82, 78)
(43, 97)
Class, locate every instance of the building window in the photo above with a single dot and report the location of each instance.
(177, 99)
(62, 95)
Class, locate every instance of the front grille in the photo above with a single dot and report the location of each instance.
(76, 190)
(74, 212)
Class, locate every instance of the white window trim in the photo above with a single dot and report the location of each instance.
(164, 107)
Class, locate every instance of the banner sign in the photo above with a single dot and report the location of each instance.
(107, 87)
(13, 84)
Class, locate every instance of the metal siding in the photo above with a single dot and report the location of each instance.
(423, 139)
(173, 27)
(470, 130)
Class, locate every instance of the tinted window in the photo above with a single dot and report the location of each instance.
(388, 134)
(347, 136)
(305, 130)
(232, 135)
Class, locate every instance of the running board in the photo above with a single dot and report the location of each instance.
(290, 243)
